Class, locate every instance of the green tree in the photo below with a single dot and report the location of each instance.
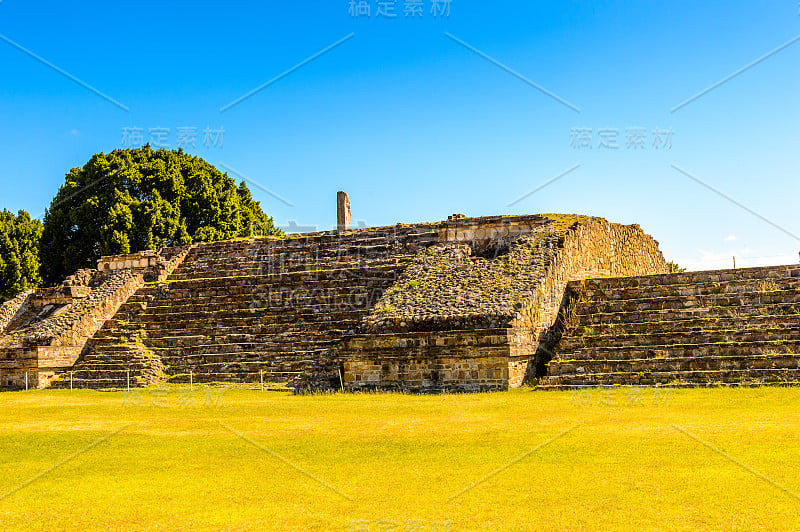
(19, 253)
(131, 200)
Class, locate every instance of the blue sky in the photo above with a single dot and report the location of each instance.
(418, 118)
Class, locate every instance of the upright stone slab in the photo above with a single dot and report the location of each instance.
(342, 211)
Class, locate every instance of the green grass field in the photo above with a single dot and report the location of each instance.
(234, 459)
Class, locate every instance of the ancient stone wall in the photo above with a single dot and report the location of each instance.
(11, 309)
(51, 325)
(243, 310)
(731, 327)
(464, 304)
(429, 361)
(153, 265)
(488, 234)
(593, 248)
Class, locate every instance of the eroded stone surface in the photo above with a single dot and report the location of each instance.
(515, 284)
(688, 329)
(47, 329)
(464, 304)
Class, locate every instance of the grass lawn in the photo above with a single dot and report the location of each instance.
(235, 459)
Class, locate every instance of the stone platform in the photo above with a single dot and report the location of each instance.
(689, 329)
(466, 304)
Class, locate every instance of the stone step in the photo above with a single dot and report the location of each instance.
(681, 302)
(289, 242)
(117, 348)
(265, 300)
(217, 362)
(271, 282)
(267, 348)
(613, 352)
(380, 274)
(592, 292)
(200, 271)
(262, 302)
(296, 247)
(224, 261)
(320, 314)
(255, 331)
(665, 337)
(240, 293)
(253, 324)
(678, 364)
(235, 331)
(144, 295)
(100, 364)
(114, 371)
(257, 268)
(170, 340)
(255, 308)
(212, 355)
(683, 325)
(659, 315)
(742, 377)
(255, 297)
(709, 276)
(378, 249)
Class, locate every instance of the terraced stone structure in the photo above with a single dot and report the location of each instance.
(688, 329)
(477, 311)
(465, 304)
(460, 302)
(44, 332)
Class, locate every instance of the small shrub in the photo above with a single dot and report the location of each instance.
(674, 268)
(766, 286)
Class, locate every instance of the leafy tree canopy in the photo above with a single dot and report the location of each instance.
(19, 253)
(136, 199)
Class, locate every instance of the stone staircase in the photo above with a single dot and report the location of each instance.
(689, 329)
(235, 311)
(116, 356)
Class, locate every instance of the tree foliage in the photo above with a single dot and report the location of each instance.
(136, 199)
(19, 253)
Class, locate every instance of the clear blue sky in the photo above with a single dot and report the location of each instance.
(415, 124)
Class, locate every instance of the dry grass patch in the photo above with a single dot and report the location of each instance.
(719, 459)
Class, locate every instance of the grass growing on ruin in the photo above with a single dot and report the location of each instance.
(721, 459)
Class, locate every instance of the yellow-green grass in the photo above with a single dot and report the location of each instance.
(632, 460)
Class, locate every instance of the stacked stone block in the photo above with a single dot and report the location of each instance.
(240, 311)
(56, 323)
(501, 278)
(690, 329)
